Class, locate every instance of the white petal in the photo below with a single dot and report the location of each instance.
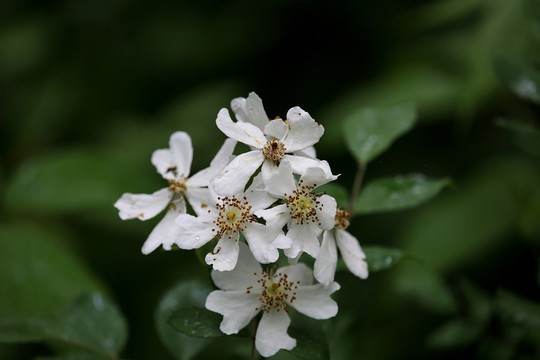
(275, 217)
(237, 308)
(182, 152)
(250, 110)
(257, 197)
(242, 276)
(325, 264)
(163, 161)
(233, 179)
(200, 200)
(272, 333)
(225, 254)
(327, 216)
(241, 131)
(276, 128)
(352, 253)
(261, 243)
(143, 206)
(307, 152)
(269, 170)
(299, 165)
(315, 301)
(316, 176)
(303, 130)
(304, 237)
(297, 272)
(166, 230)
(194, 231)
(282, 184)
(223, 157)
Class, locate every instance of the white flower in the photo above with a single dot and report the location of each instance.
(353, 256)
(306, 213)
(174, 165)
(248, 290)
(225, 219)
(270, 140)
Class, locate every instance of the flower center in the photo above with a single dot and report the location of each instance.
(303, 204)
(342, 219)
(178, 186)
(233, 215)
(276, 291)
(273, 150)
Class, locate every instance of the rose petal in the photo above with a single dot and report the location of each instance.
(272, 333)
(237, 308)
(242, 276)
(241, 131)
(194, 231)
(143, 206)
(233, 179)
(315, 301)
(325, 264)
(276, 128)
(327, 216)
(352, 253)
(282, 184)
(225, 254)
(200, 200)
(166, 230)
(250, 110)
(303, 130)
(316, 176)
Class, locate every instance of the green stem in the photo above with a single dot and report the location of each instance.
(358, 178)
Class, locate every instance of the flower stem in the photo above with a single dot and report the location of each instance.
(360, 171)
(253, 333)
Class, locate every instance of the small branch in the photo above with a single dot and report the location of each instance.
(254, 332)
(360, 171)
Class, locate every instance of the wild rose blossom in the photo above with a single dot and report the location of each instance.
(305, 213)
(270, 140)
(174, 166)
(248, 290)
(226, 219)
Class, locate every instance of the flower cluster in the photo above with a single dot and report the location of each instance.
(266, 196)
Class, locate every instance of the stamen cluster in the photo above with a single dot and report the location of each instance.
(303, 204)
(274, 150)
(342, 219)
(276, 292)
(233, 216)
(177, 186)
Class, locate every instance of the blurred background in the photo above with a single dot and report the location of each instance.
(89, 89)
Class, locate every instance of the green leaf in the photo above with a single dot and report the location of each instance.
(14, 330)
(311, 343)
(455, 333)
(381, 258)
(95, 323)
(39, 276)
(521, 79)
(337, 191)
(43, 295)
(518, 310)
(425, 286)
(524, 135)
(184, 294)
(369, 132)
(196, 322)
(397, 193)
(460, 332)
(77, 179)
